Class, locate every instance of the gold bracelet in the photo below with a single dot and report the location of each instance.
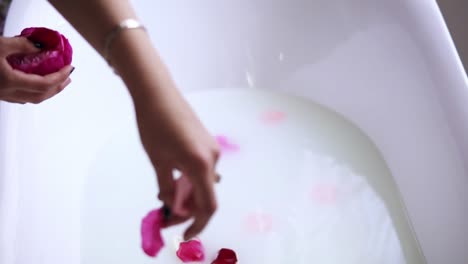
(124, 25)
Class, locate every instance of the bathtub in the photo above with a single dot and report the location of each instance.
(383, 75)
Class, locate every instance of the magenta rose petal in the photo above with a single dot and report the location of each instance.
(151, 225)
(225, 256)
(226, 144)
(155, 220)
(273, 117)
(56, 52)
(191, 251)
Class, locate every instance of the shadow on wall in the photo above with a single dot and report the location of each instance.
(454, 12)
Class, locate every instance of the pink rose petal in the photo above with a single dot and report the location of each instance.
(56, 52)
(226, 145)
(225, 256)
(191, 251)
(273, 117)
(324, 194)
(151, 225)
(259, 223)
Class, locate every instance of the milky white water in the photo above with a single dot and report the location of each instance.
(300, 184)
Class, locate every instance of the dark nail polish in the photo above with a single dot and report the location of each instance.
(166, 212)
(71, 71)
(38, 45)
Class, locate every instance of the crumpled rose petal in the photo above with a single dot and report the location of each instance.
(225, 256)
(226, 145)
(56, 52)
(151, 225)
(191, 251)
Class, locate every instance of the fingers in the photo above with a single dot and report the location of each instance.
(165, 179)
(19, 45)
(63, 85)
(175, 220)
(205, 204)
(40, 84)
(197, 226)
(201, 172)
(183, 193)
(23, 97)
(181, 205)
(195, 200)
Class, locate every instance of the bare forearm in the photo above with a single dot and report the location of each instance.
(94, 18)
(171, 133)
(132, 53)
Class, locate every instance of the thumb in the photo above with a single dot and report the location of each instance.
(17, 45)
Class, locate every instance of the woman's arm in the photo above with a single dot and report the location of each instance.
(172, 135)
(95, 19)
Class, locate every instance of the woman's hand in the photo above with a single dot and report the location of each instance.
(175, 139)
(172, 135)
(19, 87)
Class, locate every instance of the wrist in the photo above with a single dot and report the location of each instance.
(138, 64)
(126, 24)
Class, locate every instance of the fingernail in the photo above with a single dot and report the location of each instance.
(71, 71)
(38, 45)
(217, 178)
(166, 212)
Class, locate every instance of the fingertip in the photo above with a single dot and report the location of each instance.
(66, 71)
(65, 84)
(72, 70)
(189, 233)
(60, 74)
(196, 227)
(57, 78)
(166, 211)
(187, 236)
